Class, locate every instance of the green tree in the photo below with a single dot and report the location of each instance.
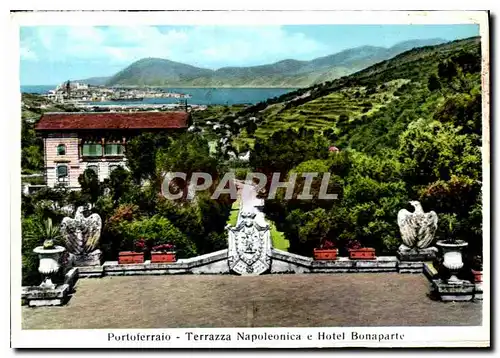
(141, 154)
(251, 127)
(287, 148)
(433, 83)
(90, 186)
(447, 69)
(120, 183)
(187, 154)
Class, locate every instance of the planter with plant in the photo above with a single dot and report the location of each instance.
(477, 268)
(326, 251)
(452, 250)
(358, 252)
(49, 253)
(133, 257)
(163, 253)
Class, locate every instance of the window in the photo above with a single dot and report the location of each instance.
(113, 149)
(92, 150)
(62, 173)
(61, 149)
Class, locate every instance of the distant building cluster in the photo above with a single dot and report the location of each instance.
(71, 92)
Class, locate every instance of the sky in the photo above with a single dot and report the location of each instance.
(50, 55)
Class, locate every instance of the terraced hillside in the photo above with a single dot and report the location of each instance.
(324, 112)
(381, 99)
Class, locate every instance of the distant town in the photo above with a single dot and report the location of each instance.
(78, 92)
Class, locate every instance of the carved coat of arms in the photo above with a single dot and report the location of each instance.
(249, 249)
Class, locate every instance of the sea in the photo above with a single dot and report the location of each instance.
(199, 96)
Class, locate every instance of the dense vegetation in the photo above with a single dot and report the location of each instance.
(407, 129)
(131, 205)
(419, 139)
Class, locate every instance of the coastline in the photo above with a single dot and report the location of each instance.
(213, 87)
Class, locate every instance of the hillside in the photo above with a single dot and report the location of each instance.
(94, 81)
(285, 73)
(376, 103)
(408, 128)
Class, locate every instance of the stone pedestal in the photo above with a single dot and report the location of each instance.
(462, 291)
(410, 267)
(407, 254)
(430, 271)
(478, 291)
(90, 259)
(36, 296)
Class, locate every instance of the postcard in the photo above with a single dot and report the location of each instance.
(250, 179)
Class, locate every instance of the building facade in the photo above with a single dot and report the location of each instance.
(74, 142)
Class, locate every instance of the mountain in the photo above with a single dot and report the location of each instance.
(285, 73)
(156, 71)
(408, 45)
(370, 108)
(94, 81)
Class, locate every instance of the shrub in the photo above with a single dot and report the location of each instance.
(241, 173)
(30, 274)
(155, 231)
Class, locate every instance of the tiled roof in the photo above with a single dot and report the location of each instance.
(112, 120)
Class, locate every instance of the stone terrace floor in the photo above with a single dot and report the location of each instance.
(306, 300)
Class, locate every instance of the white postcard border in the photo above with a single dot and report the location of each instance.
(415, 336)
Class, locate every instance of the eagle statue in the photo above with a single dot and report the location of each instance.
(81, 234)
(417, 228)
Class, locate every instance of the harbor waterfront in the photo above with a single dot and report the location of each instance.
(197, 96)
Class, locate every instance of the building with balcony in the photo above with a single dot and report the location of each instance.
(74, 142)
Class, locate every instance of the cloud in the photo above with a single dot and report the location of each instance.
(205, 46)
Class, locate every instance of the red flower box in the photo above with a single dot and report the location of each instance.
(130, 257)
(366, 253)
(478, 275)
(325, 254)
(157, 257)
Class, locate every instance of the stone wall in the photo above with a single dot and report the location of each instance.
(217, 263)
(212, 263)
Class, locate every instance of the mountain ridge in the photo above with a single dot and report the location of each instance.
(284, 73)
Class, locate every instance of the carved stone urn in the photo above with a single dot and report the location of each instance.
(452, 257)
(49, 264)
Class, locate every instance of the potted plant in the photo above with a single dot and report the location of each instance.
(452, 250)
(326, 251)
(163, 253)
(477, 268)
(49, 253)
(358, 252)
(133, 257)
